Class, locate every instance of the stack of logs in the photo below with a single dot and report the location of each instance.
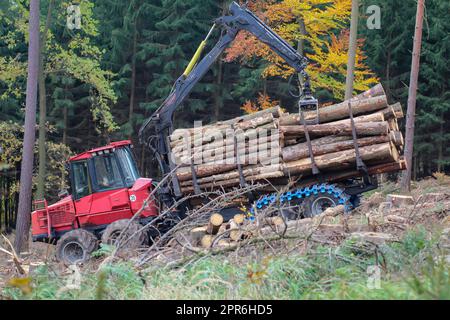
(275, 147)
(218, 233)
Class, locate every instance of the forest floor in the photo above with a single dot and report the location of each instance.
(378, 252)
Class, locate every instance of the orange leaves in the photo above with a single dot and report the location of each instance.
(314, 26)
(263, 102)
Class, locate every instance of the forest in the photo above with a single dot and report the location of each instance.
(102, 76)
(351, 200)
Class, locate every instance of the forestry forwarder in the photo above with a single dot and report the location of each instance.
(107, 189)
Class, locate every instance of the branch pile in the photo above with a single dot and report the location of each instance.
(271, 145)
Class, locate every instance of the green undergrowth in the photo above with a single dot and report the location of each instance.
(414, 268)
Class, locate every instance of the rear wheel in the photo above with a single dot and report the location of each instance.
(308, 201)
(131, 236)
(76, 246)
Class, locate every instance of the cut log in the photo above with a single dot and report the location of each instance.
(256, 122)
(207, 240)
(338, 111)
(239, 218)
(372, 117)
(397, 138)
(224, 243)
(227, 144)
(398, 110)
(197, 234)
(398, 200)
(393, 124)
(275, 111)
(372, 237)
(375, 91)
(215, 221)
(301, 150)
(247, 172)
(263, 156)
(235, 231)
(234, 182)
(327, 129)
(203, 170)
(382, 152)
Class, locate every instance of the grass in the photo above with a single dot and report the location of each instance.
(410, 269)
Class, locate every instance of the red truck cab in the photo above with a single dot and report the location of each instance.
(105, 187)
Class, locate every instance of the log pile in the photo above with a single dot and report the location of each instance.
(238, 229)
(271, 145)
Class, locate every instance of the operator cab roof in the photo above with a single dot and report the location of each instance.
(90, 153)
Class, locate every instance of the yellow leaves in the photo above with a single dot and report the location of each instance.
(24, 284)
(323, 39)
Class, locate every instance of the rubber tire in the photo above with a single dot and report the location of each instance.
(86, 240)
(310, 201)
(113, 230)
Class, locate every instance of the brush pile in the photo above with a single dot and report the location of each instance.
(271, 145)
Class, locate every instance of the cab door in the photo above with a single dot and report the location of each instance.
(81, 189)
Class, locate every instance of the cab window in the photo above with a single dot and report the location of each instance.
(107, 174)
(81, 184)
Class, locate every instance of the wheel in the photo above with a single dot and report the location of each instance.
(308, 201)
(115, 229)
(76, 246)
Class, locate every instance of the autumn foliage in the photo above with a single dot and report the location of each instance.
(318, 29)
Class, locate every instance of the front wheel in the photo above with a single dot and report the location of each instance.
(130, 234)
(76, 246)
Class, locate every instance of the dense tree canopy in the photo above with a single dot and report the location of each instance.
(103, 79)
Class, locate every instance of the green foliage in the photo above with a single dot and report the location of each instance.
(11, 135)
(389, 56)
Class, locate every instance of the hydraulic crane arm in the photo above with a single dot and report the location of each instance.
(156, 130)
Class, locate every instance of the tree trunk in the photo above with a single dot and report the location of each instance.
(43, 106)
(26, 173)
(352, 46)
(411, 112)
(133, 80)
(441, 145)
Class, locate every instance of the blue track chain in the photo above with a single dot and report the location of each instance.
(349, 202)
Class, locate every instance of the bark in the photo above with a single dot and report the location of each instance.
(26, 173)
(411, 112)
(215, 221)
(375, 91)
(379, 152)
(339, 111)
(234, 182)
(393, 111)
(321, 130)
(43, 106)
(352, 50)
(300, 151)
(234, 174)
(133, 78)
